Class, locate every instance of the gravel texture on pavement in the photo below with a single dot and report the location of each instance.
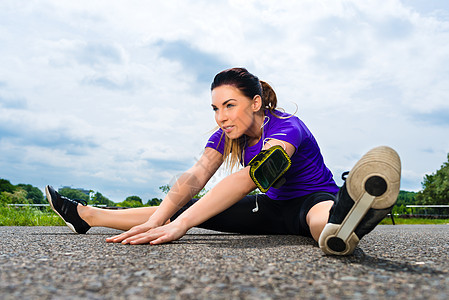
(399, 262)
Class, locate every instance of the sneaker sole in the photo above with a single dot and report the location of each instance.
(47, 192)
(372, 183)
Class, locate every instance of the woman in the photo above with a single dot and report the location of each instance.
(308, 203)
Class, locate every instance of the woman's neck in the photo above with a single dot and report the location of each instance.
(255, 132)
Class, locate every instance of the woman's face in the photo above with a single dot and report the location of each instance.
(234, 112)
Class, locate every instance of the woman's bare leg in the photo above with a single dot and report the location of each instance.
(122, 219)
(317, 218)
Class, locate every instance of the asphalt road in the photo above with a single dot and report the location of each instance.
(399, 262)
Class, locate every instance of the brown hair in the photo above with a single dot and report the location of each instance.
(250, 86)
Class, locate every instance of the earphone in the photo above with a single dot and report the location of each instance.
(266, 119)
(256, 209)
(265, 122)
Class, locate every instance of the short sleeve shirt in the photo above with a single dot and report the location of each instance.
(308, 172)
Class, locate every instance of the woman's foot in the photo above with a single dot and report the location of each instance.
(368, 195)
(67, 209)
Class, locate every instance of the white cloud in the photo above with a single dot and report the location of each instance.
(115, 97)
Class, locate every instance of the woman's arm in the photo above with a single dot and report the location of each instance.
(227, 192)
(223, 195)
(187, 186)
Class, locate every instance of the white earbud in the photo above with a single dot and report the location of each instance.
(265, 122)
(256, 209)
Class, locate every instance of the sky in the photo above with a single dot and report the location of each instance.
(114, 96)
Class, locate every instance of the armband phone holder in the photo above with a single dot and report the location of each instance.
(267, 168)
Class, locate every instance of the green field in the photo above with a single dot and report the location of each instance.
(26, 216)
(413, 221)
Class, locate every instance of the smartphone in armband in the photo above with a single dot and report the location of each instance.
(267, 167)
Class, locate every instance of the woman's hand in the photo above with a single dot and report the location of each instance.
(158, 235)
(122, 238)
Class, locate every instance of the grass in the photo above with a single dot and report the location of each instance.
(413, 221)
(28, 216)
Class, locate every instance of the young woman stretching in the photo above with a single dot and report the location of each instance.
(305, 201)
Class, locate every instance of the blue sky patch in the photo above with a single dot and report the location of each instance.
(202, 64)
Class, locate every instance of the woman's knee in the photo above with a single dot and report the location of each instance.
(317, 217)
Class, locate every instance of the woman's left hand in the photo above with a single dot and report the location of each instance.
(158, 235)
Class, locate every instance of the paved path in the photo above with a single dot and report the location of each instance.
(399, 262)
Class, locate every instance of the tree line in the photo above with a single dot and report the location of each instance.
(28, 194)
(435, 191)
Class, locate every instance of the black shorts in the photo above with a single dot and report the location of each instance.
(272, 217)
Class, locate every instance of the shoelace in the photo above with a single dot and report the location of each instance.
(80, 201)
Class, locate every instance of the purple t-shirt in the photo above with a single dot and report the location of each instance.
(307, 174)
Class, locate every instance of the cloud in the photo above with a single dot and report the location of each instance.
(431, 8)
(109, 83)
(394, 28)
(25, 129)
(95, 54)
(13, 103)
(169, 165)
(202, 64)
(439, 118)
(68, 51)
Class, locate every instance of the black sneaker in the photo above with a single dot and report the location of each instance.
(67, 209)
(368, 195)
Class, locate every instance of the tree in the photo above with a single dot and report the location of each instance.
(134, 198)
(131, 201)
(435, 187)
(33, 194)
(406, 198)
(165, 188)
(99, 199)
(6, 186)
(402, 210)
(130, 204)
(73, 194)
(154, 202)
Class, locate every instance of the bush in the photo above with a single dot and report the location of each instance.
(27, 216)
(18, 196)
(130, 204)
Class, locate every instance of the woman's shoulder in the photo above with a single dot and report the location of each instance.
(278, 117)
(216, 141)
(287, 127)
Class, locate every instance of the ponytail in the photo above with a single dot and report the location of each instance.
(269, 99)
